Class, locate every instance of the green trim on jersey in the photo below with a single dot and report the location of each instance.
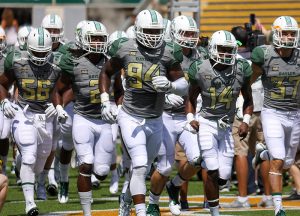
(116, 45)
(203, 52)
(153, 17)
(247, 69)
(258, 55)
(65, 63)
(52, 18)
(193, 71)
(176, 51)
(8, 63)
(41, 36)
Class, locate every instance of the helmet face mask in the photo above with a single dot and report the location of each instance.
(94, 37)
(53, 23)
(285, 32)
(39, 46)
(149, 29)
(222, 48)
(184, 31)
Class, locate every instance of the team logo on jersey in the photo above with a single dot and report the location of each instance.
(208, 77)
(84, 71)
(275, 68)
(132, 53)
(24, 69)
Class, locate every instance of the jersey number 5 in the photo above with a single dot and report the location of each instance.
(39, 93)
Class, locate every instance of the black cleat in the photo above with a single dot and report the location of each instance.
(52, 190)
(33, 212)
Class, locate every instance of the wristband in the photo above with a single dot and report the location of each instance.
(247, 118)
(190, 117)
(104, 97)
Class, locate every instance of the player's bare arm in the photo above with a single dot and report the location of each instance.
(191, 104)
(247, 108)
(111, 67)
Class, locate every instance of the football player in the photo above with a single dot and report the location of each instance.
(278, 64)
(92, 135)
(147, 61)
(219, 79)
(185, 33)
(35, 74)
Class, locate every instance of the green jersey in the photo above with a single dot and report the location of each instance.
(141, 64)
(35, 83)
(280, 78)
(84, 75)
(219, 89)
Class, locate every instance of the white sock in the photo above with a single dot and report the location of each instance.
(266, 197)
(126, 182)
(277, 200)
(27, 177)
(51, 176)
(140, 209)
(42, 177)
(242, 199)
(64, 172)
(153, 199)
(177, 181)
(214, 211)
(264, 155)
(85, 201)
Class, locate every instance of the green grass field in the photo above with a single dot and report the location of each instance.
(15, 205)
(104, 200)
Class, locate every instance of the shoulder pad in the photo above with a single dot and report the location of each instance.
(175, 51)
(116, 45)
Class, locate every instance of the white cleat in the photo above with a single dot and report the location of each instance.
(125, 208)
(175, 209)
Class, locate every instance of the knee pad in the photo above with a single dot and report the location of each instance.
(225, 168)
(139, 161)
(196, 162)
(28, 158)
(101, 169)
(137, 182)
(166, 171)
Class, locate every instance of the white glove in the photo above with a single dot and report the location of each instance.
(224, 122)
(107, 112)
(50, 111)
(8, 109)
(62, 115)
(188, 127)
(161, 83)
(173, 100)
